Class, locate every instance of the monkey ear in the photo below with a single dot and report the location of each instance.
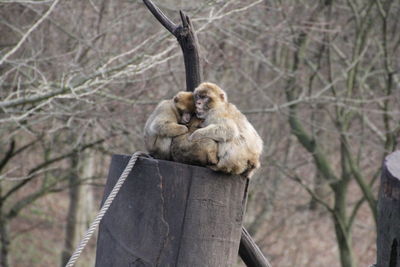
(176, 99)
(223, 97)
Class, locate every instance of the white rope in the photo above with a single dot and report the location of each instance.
(104, 209)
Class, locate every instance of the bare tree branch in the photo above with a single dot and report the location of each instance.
(31, 29)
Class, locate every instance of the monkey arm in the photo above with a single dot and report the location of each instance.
(169, 129)
(223, 132)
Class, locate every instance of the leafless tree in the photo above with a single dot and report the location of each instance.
(318, 79)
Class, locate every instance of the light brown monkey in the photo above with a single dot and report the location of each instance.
(202, 152)
(239, 145)
(163, 124)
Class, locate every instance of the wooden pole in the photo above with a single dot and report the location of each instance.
(171, 214)
(250, 252)
(184, 33)
(187, 40)
(388, 247)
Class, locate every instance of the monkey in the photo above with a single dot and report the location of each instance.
(239, 145)
(163, 124)
(202, 152)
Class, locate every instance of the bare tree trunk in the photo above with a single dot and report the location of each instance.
(4, 237)
(81, 207)
(344, 244)
(343, 232)
(321, 189)
(5, 241)
(338, 185)
(71, 229)
(86, 207)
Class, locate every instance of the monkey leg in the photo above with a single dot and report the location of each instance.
(171, 129)
(212, 158)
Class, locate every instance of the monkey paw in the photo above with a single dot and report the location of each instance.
(213, 167)
(197, 135)
(194, 137)
(182, 130)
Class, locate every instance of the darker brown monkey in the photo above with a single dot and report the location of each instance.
(163, 124)
(202, 152)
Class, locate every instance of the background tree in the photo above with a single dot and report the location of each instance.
(318, 79)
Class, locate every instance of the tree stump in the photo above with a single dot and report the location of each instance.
(171, 214)
(388, 248)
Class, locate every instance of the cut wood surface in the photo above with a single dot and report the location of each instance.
(388, 249)
(171, 214)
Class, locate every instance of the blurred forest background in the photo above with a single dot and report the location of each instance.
(318, 79)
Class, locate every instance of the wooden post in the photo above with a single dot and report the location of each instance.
(250, 253)
(171, 214)
(184, 33)
(187, 40)
(388, 247)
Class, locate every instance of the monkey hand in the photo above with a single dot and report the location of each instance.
(180, 130)
(196, 136)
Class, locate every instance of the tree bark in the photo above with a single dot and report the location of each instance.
(5, 242)
(389, 213)
(343, 234)
(4, 237)
(72, 216)
(81, 206)
(187, 40)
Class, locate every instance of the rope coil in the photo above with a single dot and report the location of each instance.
(104, 208)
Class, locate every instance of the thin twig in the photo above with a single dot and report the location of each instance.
(26, 35)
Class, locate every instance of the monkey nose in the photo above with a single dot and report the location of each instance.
(185, 118)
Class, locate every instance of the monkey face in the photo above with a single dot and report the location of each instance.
(208, 96)
(185, 117)
(185, 105)
(201, 103)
